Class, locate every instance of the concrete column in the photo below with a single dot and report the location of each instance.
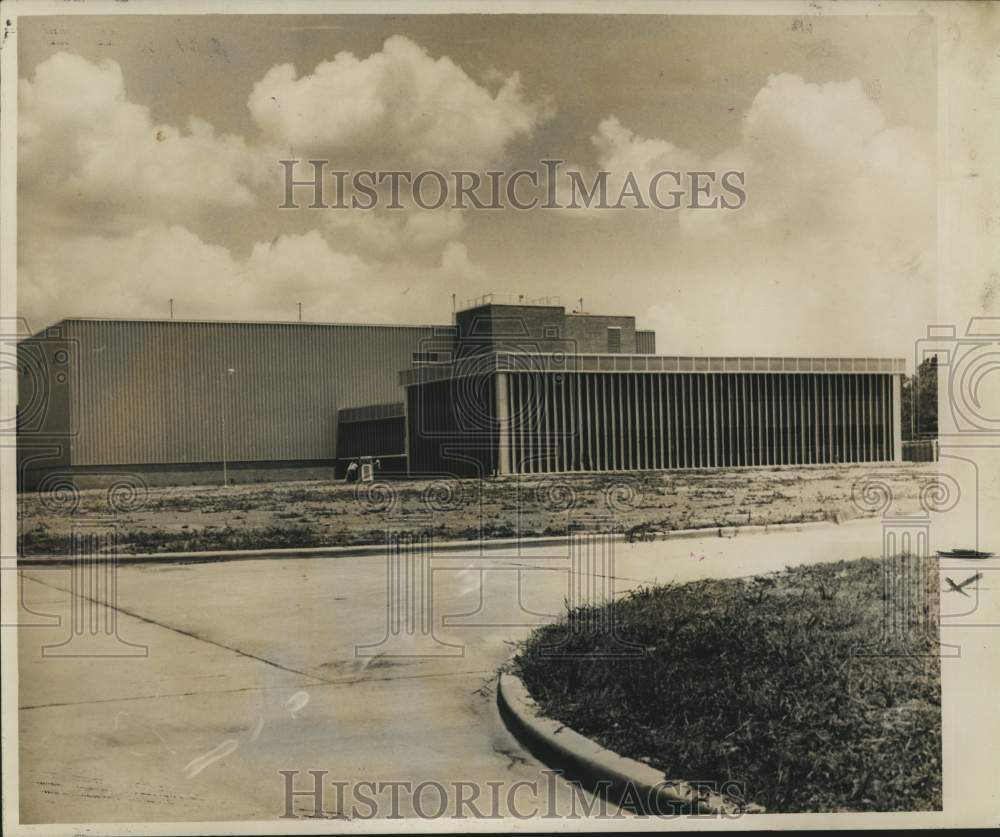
(758, 425)
(897, 418)
(829, 418)
(871, 417)
(553, 440)
(580, 440)
(584, 422)
(649, 446)
(691, 425)
(769, 442)
(687, 405)
(863, 417)
(730, 460)
(805, 428)
(601, 412)
(862, 410)
(788, 422)
(815, 418)
(667, 404)
(574, 413)
(775, 417)
(734, 419)
(629, 381)
(878, 382)
(661, 429)
(522, 420)
(679, 420)
(646, 421)
(705, 419)
(601, 418)
(595, 421)
(690, 413)
(842, 416)
(747, 419)
(740, 449)
(541, 436)
(531, 414)
(620, 434)
(803, 413)
(776, 386)
(855, 434)
(780, 382)
(785, 421)
(544, 431)
(656, 420)
(503, 423)
(845, 409)
(595, 436)
(635, 419)
(563, 462)
(884, 389)
(712, 421)
(698, 425)
(673, 431)
(771, 419)
(595, 427)
(856, 408)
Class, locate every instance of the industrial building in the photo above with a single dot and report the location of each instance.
(516, 388)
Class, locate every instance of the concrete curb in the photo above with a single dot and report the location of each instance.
(210, 556)
(586, 758)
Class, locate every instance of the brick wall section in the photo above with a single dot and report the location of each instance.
(539, 328)
(590, 332)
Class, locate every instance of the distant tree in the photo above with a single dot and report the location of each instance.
(919, 397)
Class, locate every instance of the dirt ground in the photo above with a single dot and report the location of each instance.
(317, 513)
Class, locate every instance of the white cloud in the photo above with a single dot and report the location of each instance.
(91, 158)
(399, 105)
(389, 232)
(110, 206)
(456, 264)
(135, 275)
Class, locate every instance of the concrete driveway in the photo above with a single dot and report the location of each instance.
(253, 668)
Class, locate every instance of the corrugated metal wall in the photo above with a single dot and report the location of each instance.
(645, 342)
(158, 392)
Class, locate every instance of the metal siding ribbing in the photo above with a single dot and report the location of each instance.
(156, 392)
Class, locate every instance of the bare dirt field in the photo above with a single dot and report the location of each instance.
(317, 513)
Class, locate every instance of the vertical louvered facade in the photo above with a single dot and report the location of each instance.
(551, 413)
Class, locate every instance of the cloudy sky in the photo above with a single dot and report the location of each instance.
(149, 148)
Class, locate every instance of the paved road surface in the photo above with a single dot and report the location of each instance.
(252, 669)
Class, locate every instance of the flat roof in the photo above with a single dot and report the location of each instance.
(188, 321)
(506, 361)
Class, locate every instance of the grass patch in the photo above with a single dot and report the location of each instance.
(323, 513)
(759, 681)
